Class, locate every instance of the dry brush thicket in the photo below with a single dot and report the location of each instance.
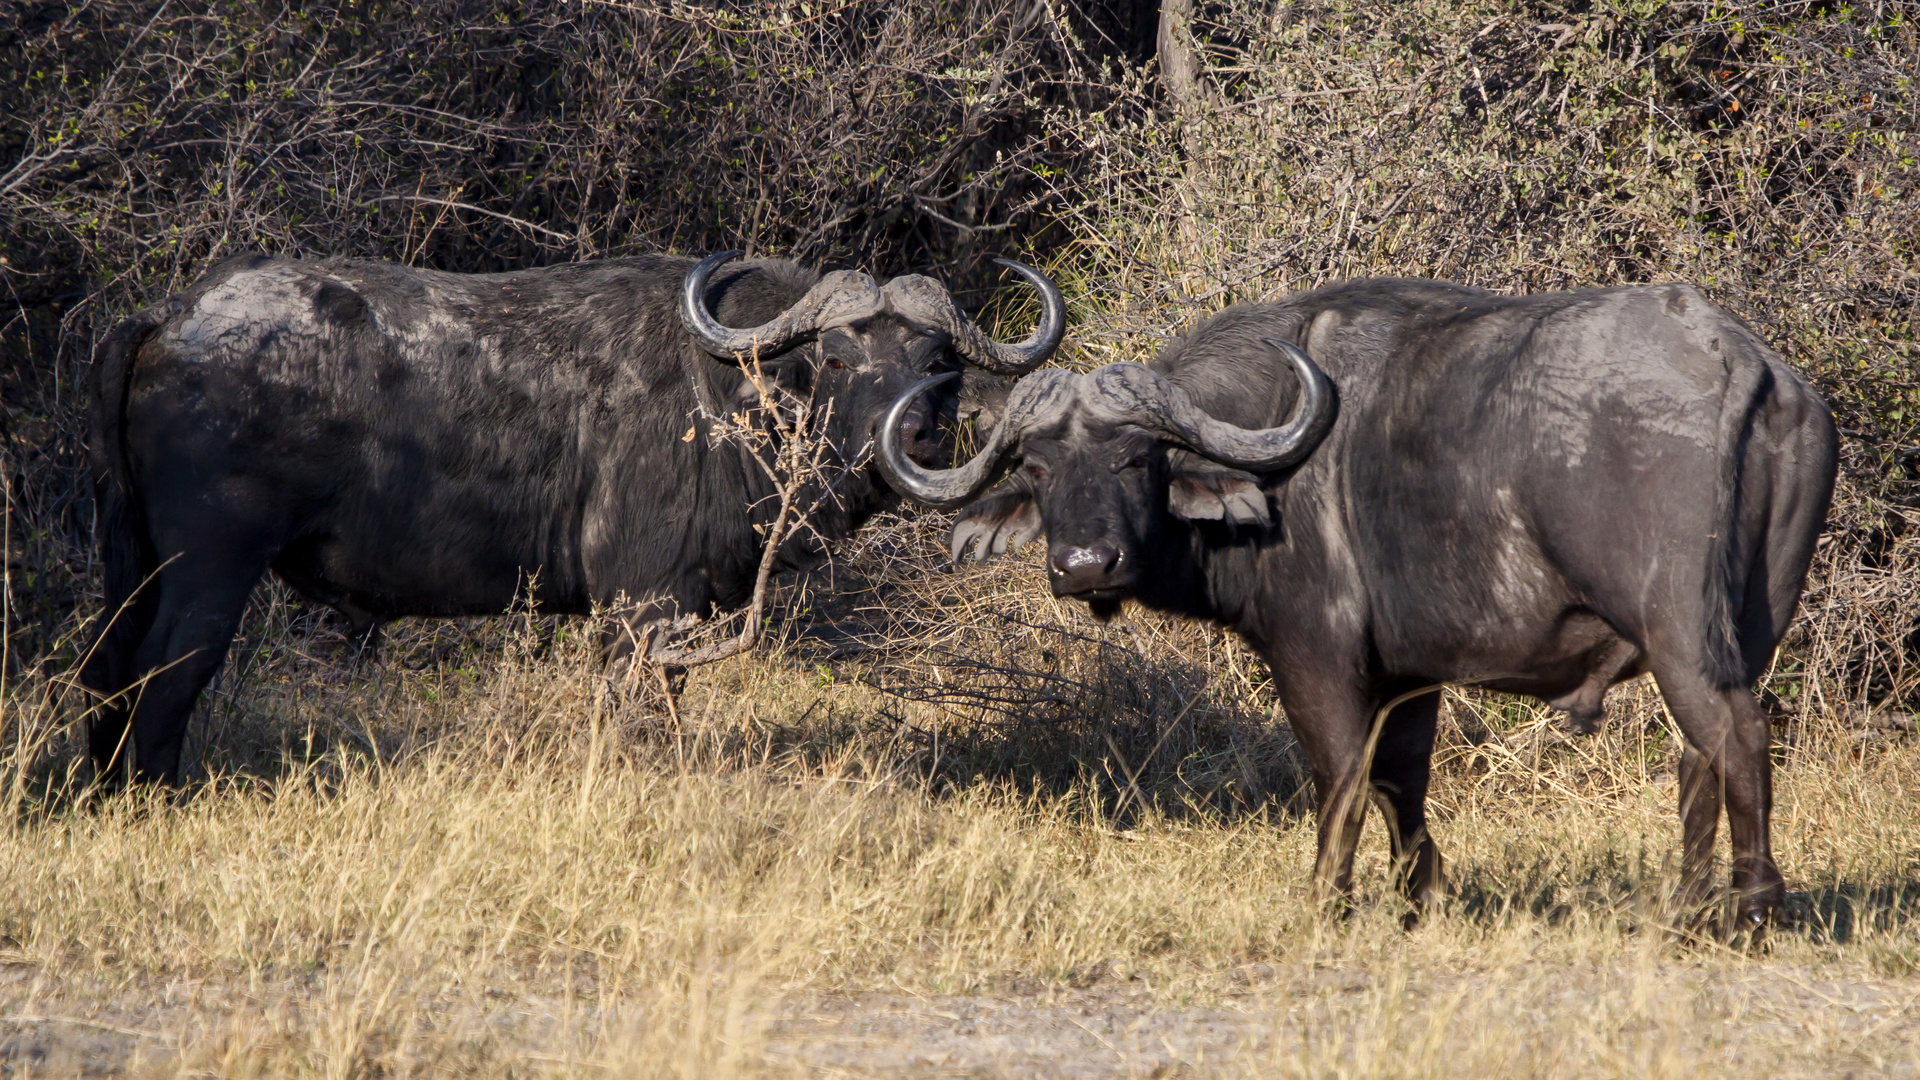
(1766, 151)
(464, 849)
(1769, 152)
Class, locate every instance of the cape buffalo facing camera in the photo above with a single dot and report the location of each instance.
(1544, 495)
(394, 441)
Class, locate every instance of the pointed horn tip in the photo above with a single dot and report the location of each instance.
(1297, 353)
(901, 472)
(697, 273)
(1017, 360)
(1024, 270)
(708, 265)
(924, 385)
(890, 420)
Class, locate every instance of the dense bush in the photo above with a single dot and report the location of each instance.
(1768, 151)
(145, 140)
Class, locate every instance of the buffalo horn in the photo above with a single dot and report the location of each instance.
(725, 341)
(1041, 394)
(943, 489)
(1153, 402)
(1003, 358)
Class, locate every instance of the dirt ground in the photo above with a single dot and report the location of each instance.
(1260, 1020)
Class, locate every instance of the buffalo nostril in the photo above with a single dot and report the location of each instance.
(1094, 561)
(913, 437)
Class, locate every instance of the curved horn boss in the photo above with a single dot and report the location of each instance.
(945, 489)
(850, 293)
(1143, 396)
(769, 337)
(1133, 392)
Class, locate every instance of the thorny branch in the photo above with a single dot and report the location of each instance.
(786, 437)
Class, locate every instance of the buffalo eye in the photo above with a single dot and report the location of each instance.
(1136, 460)
(834, 363)
(1037, 471)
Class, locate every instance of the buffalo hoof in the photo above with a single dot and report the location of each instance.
(1420, 911)
(1334, 908)
(1751, 938)
(1749, 931)
(1581, 721)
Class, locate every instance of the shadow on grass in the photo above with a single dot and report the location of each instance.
(1139, 714)
(902, 664)
(1845, 911)
(1638, 893)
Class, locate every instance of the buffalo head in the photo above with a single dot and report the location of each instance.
(1097, 463)
(860, 344)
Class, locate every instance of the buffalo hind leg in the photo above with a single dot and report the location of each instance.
(1402, 764)
(1727, 734)
(107, 669)
(1699, 826)
(108, 672)
(201, 598)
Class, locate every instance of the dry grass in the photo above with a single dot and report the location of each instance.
(465, 858)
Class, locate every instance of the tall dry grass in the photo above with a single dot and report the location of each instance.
(468, 857)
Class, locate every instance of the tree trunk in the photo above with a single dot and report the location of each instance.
(1179, 60)
(1180, 75)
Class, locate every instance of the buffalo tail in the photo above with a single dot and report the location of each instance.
(1730, 553)
(126, 555)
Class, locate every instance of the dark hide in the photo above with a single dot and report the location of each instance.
(400, 442)
(1544, 495)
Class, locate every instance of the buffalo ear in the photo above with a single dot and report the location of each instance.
(782, 374)
(982, 398)
(1200, 490)
(999, 523)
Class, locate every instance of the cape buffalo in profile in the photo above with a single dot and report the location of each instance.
(1544, 495)
(394, 441)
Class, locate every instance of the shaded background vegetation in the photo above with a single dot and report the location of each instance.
(1162, 160)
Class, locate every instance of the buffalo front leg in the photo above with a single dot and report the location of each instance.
(1331, 720)
(1343, 810)
(1402, 765)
